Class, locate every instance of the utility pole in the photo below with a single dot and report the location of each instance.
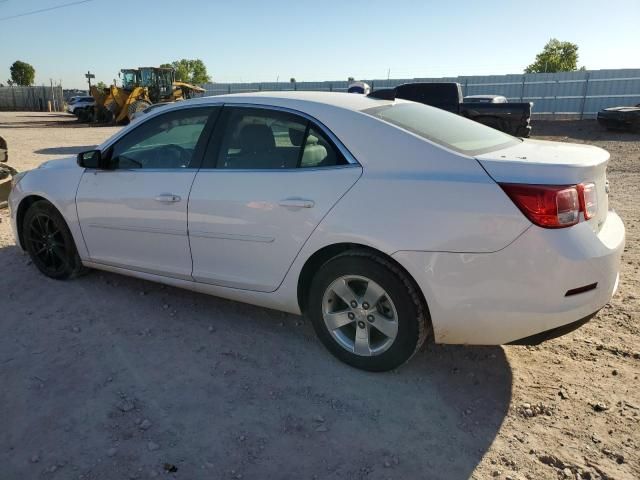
(52, 102)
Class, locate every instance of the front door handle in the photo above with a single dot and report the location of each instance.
(168, 198)
(296, 203)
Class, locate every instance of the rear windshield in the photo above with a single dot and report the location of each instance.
(447, 129)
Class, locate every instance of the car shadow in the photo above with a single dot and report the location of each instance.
(226, 387)
(54, 121)
(47, 115)
(64, 150)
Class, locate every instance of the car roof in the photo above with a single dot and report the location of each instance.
(335, 110)
(298, 100)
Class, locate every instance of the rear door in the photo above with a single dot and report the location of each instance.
(268, 179)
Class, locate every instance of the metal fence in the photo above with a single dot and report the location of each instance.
(580, 93)
(33, 99)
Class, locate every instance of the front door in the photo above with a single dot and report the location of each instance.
(134, 215)
(266, 183)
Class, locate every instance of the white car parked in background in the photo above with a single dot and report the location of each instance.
(75, 104)
(384, 221)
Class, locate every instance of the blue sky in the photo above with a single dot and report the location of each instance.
(254, 40)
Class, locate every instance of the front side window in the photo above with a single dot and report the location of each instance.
(165, 141)
(269, 139)
(443, 128)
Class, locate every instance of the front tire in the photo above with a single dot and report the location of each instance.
(49, 242)
(136, 107)
(366, 311)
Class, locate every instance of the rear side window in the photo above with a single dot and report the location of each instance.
(318, 152)
(443, 128)
(259, 139)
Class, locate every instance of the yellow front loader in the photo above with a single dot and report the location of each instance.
(140, 88)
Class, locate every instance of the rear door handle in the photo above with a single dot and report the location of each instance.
(296, 203)
(168, 198)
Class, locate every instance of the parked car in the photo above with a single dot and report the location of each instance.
(485, 99)
(383, 221)
(512, 118)
(80, 104)
(620, 118)
(359, 87)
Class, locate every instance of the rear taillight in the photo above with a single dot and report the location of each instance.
(588, 200)
(553, 206)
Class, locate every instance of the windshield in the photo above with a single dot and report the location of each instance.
(129, 79)
(446, 129)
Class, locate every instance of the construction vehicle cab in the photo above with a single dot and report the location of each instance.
(159, 82)
(130, 78)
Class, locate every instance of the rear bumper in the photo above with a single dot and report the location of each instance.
(519, 291)
(538, 338)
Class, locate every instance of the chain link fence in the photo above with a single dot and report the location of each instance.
(31, 99)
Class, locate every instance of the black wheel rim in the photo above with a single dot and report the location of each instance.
(46, 244)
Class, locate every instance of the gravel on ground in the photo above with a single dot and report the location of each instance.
(107, 377)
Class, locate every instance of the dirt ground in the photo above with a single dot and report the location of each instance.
(108, 377)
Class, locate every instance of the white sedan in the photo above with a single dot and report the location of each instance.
(385, 221)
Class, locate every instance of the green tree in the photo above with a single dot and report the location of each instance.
(22, 74)
(189, 71)
(101, 85)
(556, 56)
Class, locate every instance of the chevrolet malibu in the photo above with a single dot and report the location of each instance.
(384, 221)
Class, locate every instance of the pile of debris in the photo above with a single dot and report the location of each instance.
(6, 172)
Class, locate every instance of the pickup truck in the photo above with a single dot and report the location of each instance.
(620, 118)
(512, 118)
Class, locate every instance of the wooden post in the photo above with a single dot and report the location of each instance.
(584, 95)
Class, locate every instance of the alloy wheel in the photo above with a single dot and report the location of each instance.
(360, 315)
(47, 243)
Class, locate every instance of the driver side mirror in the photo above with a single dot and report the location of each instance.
(93, 159)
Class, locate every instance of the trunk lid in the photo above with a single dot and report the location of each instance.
(539, 162)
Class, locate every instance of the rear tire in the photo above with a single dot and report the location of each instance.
(366, 311)
(49, 242)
